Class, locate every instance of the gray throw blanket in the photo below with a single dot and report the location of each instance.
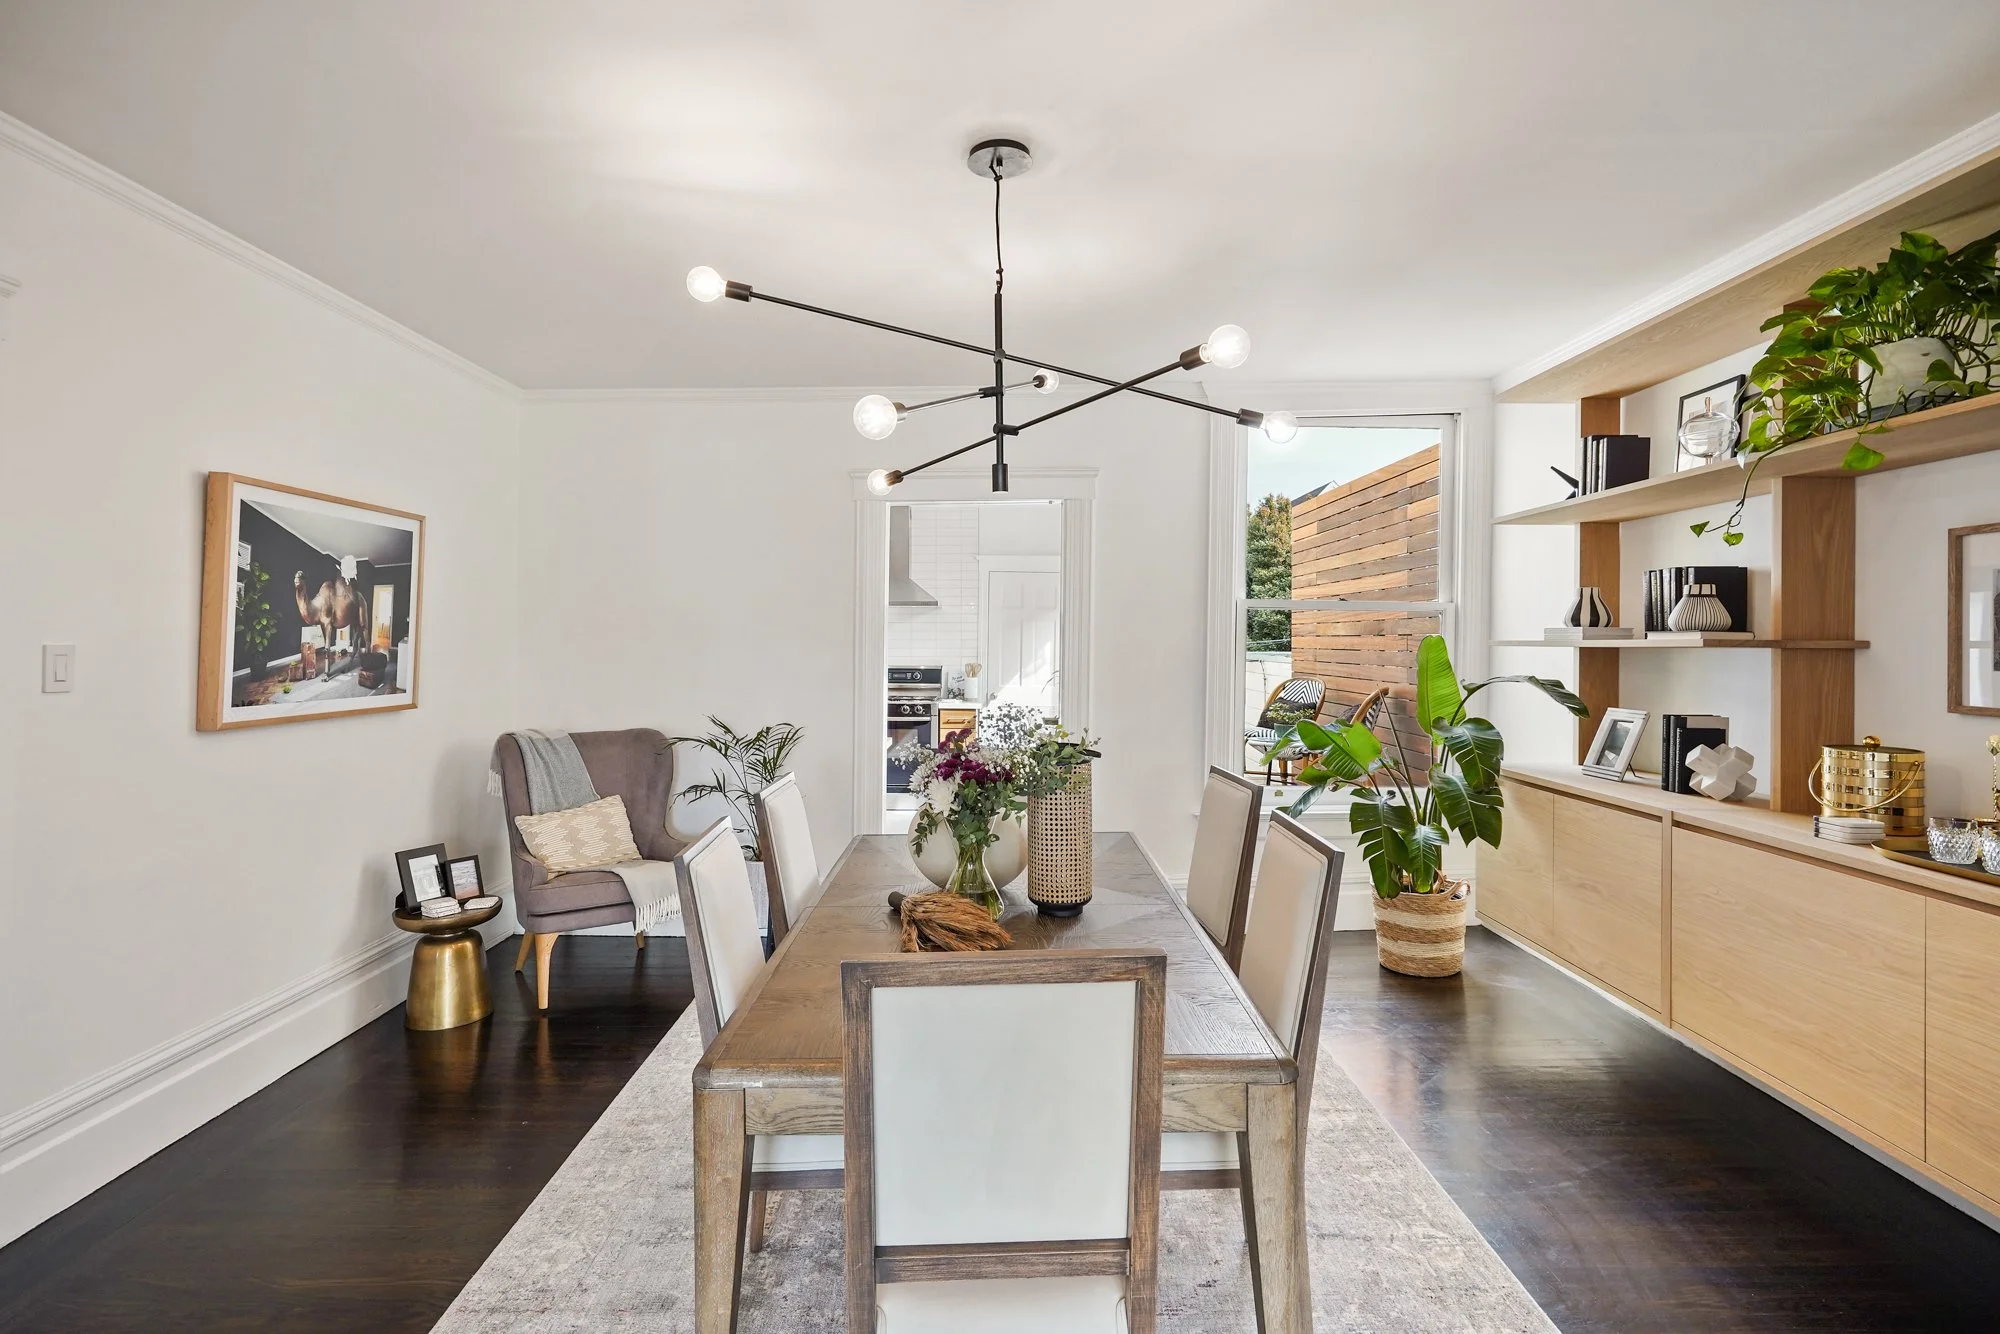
(558, 781)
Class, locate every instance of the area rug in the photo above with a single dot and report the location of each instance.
(607, 1245)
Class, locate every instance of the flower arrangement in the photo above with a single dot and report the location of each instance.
(968, 785)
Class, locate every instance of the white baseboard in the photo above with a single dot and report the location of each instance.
(59, 1150)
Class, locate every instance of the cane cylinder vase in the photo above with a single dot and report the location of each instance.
(447, 970)
(1059, 861)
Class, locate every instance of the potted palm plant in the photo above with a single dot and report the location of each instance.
(1404, 826)
(745, 763)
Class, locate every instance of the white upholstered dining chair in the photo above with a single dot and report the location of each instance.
(1002, 1117)
(726, 954)
(784, 841)
(1225, 845)
(1286, 943)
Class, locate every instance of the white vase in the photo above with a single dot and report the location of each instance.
(1699, 609)
(1006, 856)
(1906, 367)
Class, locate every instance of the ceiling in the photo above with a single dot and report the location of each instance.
(1415, 190)
(339, 536)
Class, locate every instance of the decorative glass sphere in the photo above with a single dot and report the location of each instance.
(875, 417)
(1708, 434)
(1046, 382)
(705, 284)
(879, 483)
(1228, 347)
(1280, 427)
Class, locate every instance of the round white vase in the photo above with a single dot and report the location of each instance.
(1006, 857)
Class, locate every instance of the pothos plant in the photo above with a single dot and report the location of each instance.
(1404, 826)
(746, 764)
(1816, 376)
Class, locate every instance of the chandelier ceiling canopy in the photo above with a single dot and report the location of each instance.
(876, 415)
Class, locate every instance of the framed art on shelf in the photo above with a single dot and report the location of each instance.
(1617, 740)
(1973, 675)
(1724, 398)
(310, 606)
(421, 871)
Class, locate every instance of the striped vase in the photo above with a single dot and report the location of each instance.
(1423, 935)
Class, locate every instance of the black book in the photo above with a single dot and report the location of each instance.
(1655, 582)
(1681, 735)
(1625, 459)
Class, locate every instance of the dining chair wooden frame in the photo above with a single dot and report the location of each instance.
(1304, 1037)
(710, 1014)
(1134, 1258)
(1231, 943)
(776, 882)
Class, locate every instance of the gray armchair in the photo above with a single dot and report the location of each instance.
(638, 766)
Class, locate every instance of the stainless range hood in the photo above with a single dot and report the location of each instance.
(903, 591)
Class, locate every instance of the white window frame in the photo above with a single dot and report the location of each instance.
(1464, 412)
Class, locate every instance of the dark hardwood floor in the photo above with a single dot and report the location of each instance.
(362, 1190)
(1631, 1184)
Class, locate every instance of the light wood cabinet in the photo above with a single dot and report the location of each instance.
(1811, 975)
(1515, 883)
(1962, 1043)
(1606, 897)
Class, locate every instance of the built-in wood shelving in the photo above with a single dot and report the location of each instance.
(1659, 644)
(1958, 206)
(1969, 426)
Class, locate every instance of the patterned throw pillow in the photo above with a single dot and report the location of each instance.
(582, 838)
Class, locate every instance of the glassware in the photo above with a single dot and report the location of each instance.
(1707, 434)
(1953, 842)
(970, 880)
(1990, 848)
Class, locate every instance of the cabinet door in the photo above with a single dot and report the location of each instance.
(1962, 1044)
(1607, 897)
(1812, 975)
(1513, 880)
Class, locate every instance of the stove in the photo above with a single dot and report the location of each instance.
(912, 718)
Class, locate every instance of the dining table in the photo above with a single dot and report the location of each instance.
(775, 1068)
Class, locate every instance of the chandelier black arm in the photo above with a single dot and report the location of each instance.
(745, 292)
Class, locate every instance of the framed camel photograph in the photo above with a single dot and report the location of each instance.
(310, 606)
(1973, 676)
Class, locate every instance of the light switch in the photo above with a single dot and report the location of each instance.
(58, 668)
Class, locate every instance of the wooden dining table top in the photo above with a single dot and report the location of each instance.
(787, 1032)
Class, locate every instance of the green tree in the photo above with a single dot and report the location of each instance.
(1267, 570)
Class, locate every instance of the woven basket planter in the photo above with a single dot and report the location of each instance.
(1059, 848)
(1422, 935)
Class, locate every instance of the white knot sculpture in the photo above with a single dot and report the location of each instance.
(1722, 772)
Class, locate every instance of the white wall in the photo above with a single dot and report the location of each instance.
(1901, 520)
(689, 554)
(186, 916)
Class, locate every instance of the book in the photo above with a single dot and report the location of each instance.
(446, 906)
(1625, 459)
(1696, 636)
(1577, 635)
(1732, 590)
(1681, 734)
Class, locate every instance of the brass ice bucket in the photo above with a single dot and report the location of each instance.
(1881, 782)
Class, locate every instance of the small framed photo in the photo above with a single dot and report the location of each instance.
(422, 872)
(1726, 397)
(1617, 739)
(1974, 675)
(462, 874)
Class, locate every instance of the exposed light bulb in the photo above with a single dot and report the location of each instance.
(879, 483)
(705, 284)
(875, 416)
(1228, 347)
(1046, 382)
(1280, 427)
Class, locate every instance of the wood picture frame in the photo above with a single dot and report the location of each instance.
(345, 638)
(1972, 650)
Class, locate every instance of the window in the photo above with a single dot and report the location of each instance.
(1344, 542)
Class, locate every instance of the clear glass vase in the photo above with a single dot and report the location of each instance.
(970, 880)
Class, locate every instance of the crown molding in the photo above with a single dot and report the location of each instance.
(66, 161)
(8, 286)
(1855, 205)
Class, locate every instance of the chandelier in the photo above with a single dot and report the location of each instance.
(876, 415)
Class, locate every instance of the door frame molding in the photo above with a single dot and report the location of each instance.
(1076, 488)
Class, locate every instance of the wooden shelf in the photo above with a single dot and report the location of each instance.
(1959, 207)
(1673, 644)
(1969, 426)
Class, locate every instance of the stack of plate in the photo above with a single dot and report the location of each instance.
(1848, 829)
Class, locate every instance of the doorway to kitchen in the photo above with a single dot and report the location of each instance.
(966, 600)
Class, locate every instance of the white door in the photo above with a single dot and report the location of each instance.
(1023, 609)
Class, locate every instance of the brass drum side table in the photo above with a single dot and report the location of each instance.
(448, 970)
